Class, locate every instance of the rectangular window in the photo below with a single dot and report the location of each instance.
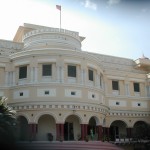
(136, 87)
(115, 85)
(22, 72)
(91, 73)
(71, 71)
(46, 92)
(93, 96)
(21, 93)
(73, 93)
(117, 103)
(47, 70)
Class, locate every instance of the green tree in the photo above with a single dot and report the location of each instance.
(7, 124)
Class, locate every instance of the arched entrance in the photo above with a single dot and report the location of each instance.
(46, 125)
(118, 130)
(72, 129)
(141, 130)
(22, 129)
(92, 128)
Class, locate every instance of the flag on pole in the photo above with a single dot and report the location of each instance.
(58, 7)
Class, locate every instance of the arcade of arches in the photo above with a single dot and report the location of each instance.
(72, 129)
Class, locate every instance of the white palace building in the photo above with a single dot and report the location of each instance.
(57, 88)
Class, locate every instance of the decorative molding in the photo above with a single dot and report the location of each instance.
(19, 94)
(115, 77)
(74, 93)
(130, 114)
(19, 63)
(46, 92)
(50, 30)
(69, 107)
(72, 61)
(117, 103)
(46, 60)
(92, 66)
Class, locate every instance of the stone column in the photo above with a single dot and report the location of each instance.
(36, 74)
(103, 135)
(57, 131)
(31, 74)
(62, 131)
(13, 78)
(7, 78)
(148, 90)
(61, 74)
(82, 76)
(57, 73)
(106, 133)
(32, 131)
(82, 131)
(85, 129)
(99, 131)
(129, 133)
(97, 79)
(127, 91)
(105, 85)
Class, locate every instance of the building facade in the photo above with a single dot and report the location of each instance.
(58, 89)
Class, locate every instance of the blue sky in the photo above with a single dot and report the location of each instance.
(112, 27)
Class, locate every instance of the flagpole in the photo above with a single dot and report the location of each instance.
(59, 8)
(60, 18)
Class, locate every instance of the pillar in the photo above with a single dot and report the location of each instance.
(62, 74)
(13, 78)
(106, 133)
(85, 129)
(99, 131)
(103, 134)
(82, 76)
(59, 131)
(7, 78)
(82, 132)
(33, 129)
(62, 131)
(129, 133)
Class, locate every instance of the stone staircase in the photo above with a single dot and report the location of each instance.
(65, 145)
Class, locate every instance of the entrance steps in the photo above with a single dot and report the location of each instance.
(66, 145)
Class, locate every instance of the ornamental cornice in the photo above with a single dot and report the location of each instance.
(126, 97)
(10, 45)
(129, 113)
(7, 47)
(39, 84)
(50, 31)
(57, 51)
(114, 60)
(64, 106)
